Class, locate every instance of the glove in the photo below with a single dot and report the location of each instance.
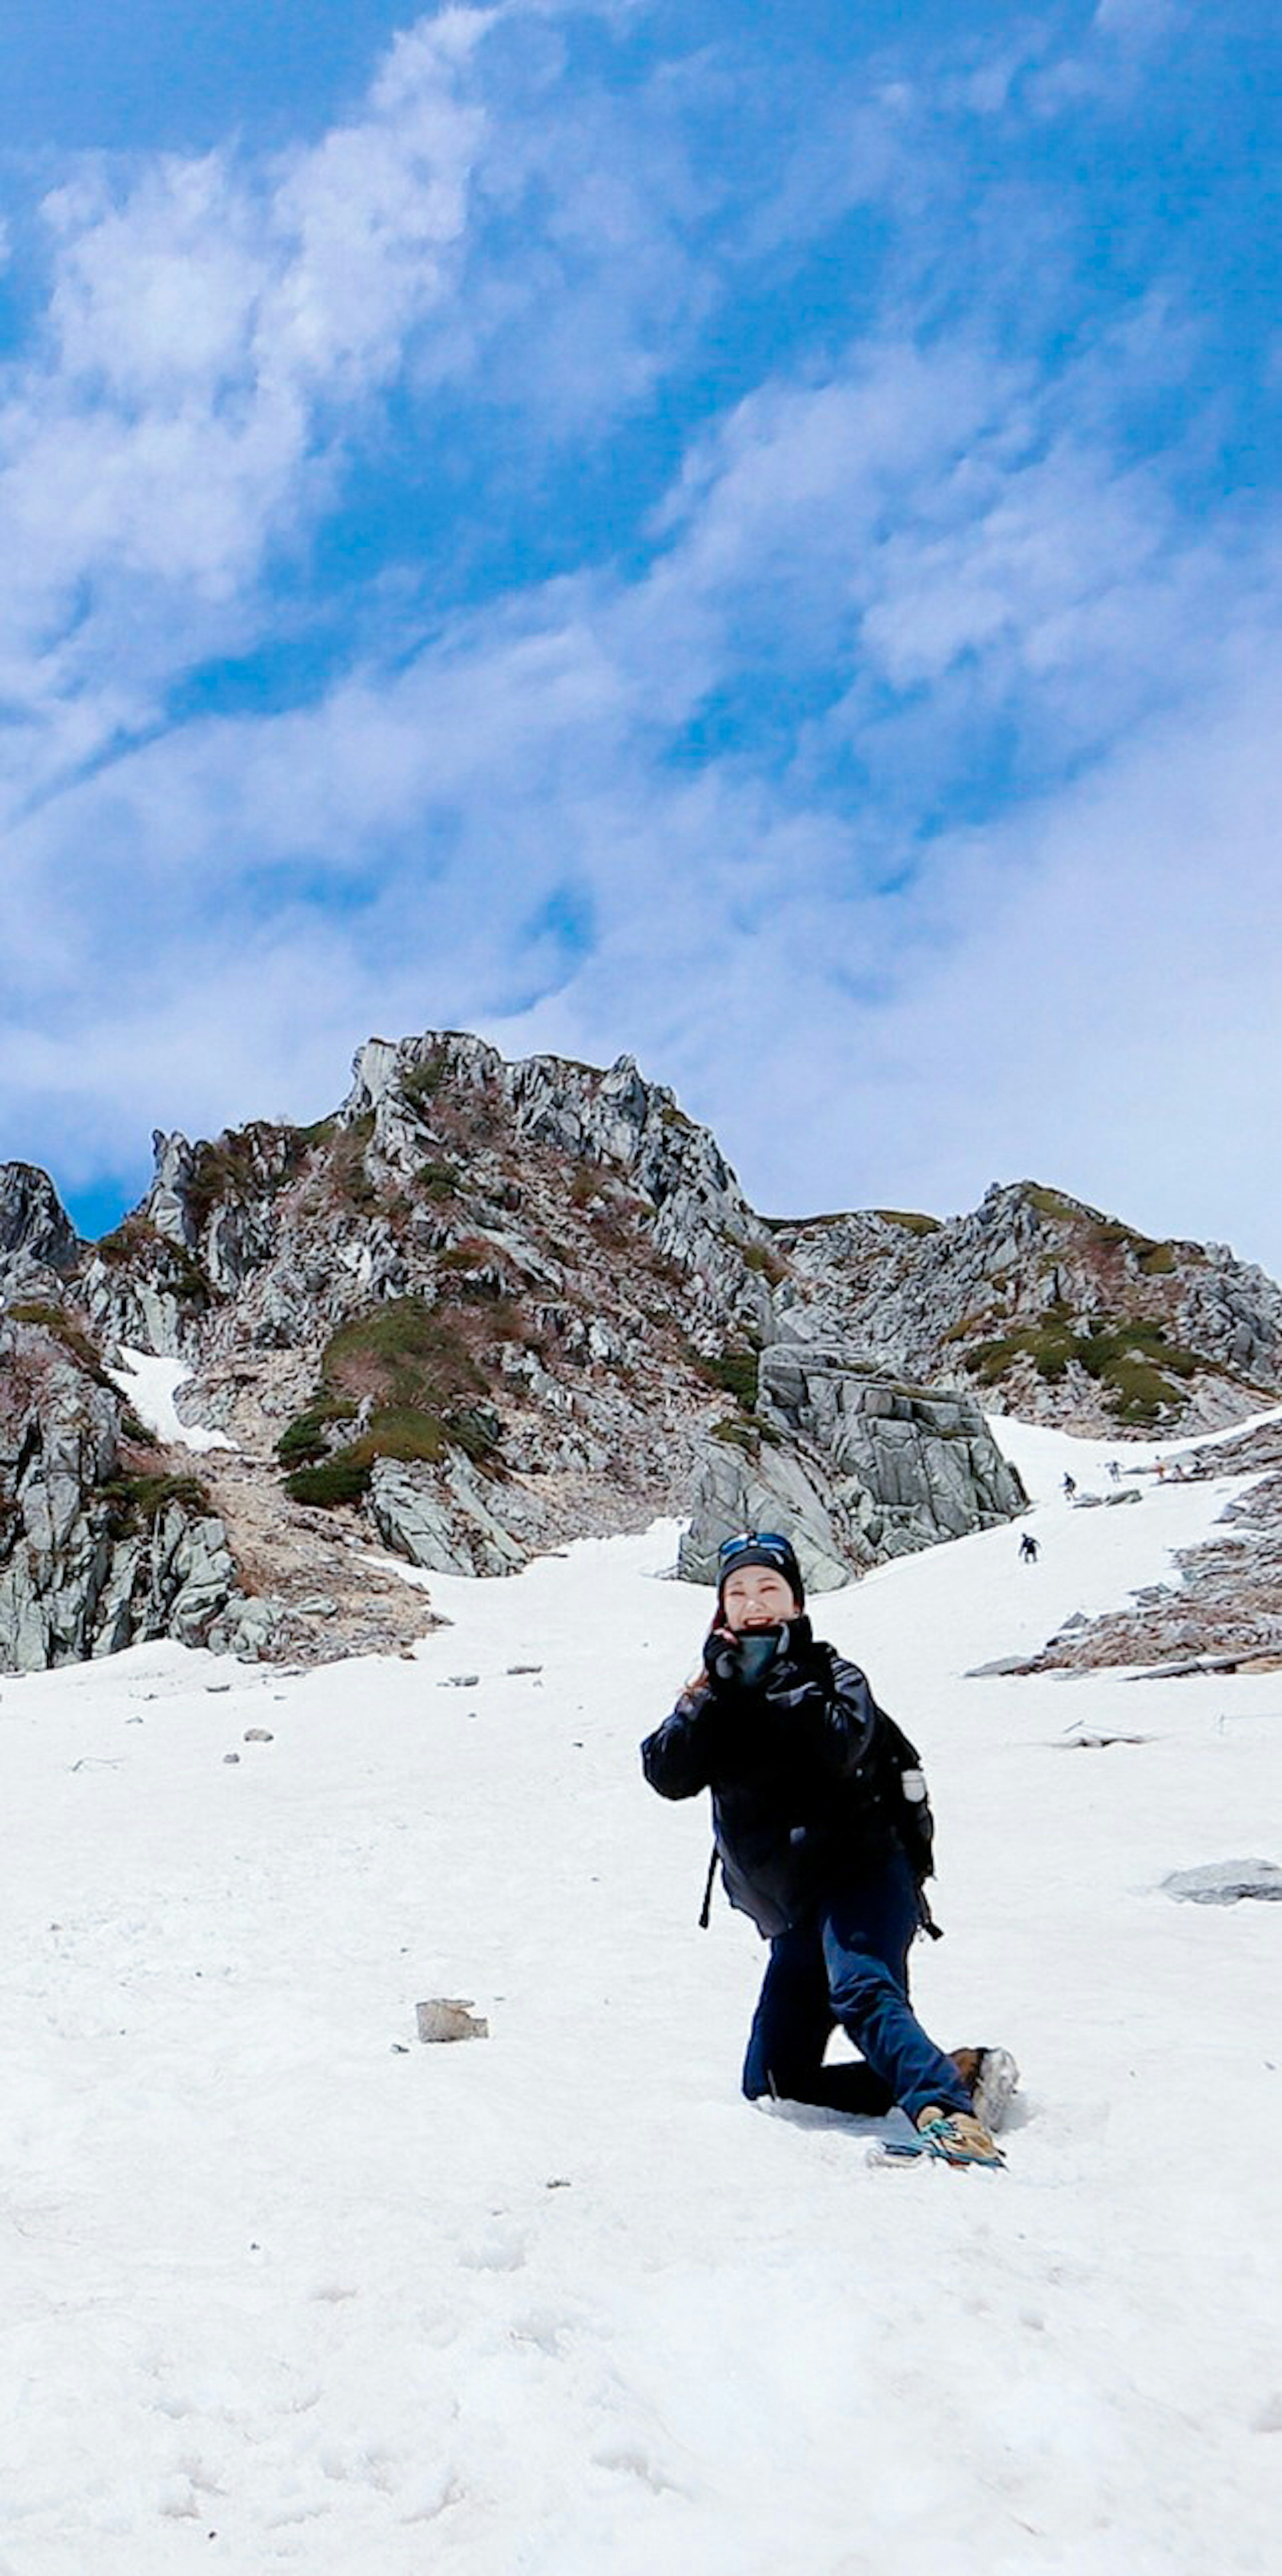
(740, 1662)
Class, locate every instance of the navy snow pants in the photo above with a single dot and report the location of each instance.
(847, 1962)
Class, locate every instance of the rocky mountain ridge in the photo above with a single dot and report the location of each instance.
(487, 1306)
(1049, 1309)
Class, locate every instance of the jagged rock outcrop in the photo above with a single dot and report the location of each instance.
(698, 1215)
(93, 1556)
(1045, 1307)
(39, 1245)
(869, 1470)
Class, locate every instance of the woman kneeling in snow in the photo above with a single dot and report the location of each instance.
(824, 1838)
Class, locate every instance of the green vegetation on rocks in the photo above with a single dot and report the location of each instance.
(412, 1367)
(55, 1320)
(170, 1265)
(342, 1479)
(241, 1163)
(124, 1242)
(1055, 1203)
(736, 1372)
(421, 1082)
(403, 1352)
(1154, 1260)
(911, 1219)
(757, 1256)
(1131, 1360)
(437, 1180)
(305, 1442)
(349, 1182)
(736, 1433)
(138, 1501)
(963, 1328)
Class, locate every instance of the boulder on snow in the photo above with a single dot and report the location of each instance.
(445, 2017)
(856, 1469)
(1226, 1882)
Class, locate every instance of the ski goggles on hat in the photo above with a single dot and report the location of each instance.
(778, 1546)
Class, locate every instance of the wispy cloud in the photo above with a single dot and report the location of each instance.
(213, 336)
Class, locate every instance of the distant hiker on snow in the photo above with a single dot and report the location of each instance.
(824, 1837)
(1070, 1487)
(1028, 1550)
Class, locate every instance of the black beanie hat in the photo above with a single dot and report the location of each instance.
(770, 1550)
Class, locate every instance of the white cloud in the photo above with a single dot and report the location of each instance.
(221, 330)
(1108, 63)
(1021, 563)
(796, 464)
(154, 295)
(207, 317)
(366, 218)
(1140, 19)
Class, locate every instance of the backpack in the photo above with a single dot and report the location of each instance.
(901, 1787)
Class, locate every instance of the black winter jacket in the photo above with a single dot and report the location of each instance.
(805, 1773)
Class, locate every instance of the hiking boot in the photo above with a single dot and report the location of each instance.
(990, 2076)
(958, 2137)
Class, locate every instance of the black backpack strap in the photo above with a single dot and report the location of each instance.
(705, 1915)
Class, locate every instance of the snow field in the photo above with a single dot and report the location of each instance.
(559, 2300)
(151, 1385)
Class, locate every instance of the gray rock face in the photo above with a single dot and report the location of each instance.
(135, 1308)
(249, 1629)
(871, 1470)
(449, 1524)
(699, 1218)
(1226, 1882)
(1009, 1294)
(167, 1205)
(83, 1572)
(776, 1491)
(38, 1242)
(1233, 1311)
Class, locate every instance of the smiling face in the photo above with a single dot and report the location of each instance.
(755, 1596)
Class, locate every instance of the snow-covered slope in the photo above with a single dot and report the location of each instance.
(283, 2288)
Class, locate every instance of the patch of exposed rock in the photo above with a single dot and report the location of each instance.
(313, 1587)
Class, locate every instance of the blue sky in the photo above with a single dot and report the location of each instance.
(653, 528)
